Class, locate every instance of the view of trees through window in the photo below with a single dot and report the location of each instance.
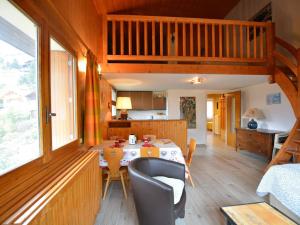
(19, 114)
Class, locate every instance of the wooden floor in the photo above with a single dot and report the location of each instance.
(222, 177)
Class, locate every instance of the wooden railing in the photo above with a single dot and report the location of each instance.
(167, 39)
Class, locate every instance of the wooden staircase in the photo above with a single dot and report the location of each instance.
(286, 75)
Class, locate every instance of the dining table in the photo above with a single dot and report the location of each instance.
(167, 148)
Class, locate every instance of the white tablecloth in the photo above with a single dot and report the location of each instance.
(169, 151)
(283, 181)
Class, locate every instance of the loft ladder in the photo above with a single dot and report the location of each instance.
(286, 75)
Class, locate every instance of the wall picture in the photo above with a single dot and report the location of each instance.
(274, 98)
(188, 111)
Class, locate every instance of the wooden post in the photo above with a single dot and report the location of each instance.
(220, 41)
(105, 39)
(122, 36)
(145, 38)
(199, 39)
(270, 37)
(114, 37)
(137, 37)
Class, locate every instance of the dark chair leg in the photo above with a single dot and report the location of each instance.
(182, 214)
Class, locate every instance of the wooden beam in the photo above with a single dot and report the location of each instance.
(17, 38)
(184, 68)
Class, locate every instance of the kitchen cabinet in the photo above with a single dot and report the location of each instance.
(144, 100)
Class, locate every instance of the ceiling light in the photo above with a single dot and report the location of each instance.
(197, 80)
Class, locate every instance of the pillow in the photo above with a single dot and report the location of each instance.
(176, 184)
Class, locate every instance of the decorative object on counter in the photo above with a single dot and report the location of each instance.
(132, 139)
(253, 113)
(188, 111)
(274, 98)
(124, 103)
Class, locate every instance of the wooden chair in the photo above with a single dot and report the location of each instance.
(192, 148)
(114, 171)
(150, 152)
(151, 136)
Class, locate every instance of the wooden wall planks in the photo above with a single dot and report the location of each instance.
(176, 130)
(66, 191)
(105, 105)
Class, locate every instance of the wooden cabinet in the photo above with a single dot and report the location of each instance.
(159, 103)
(257, 141)
(144, 100)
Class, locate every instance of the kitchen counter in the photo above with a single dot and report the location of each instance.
(173, 129)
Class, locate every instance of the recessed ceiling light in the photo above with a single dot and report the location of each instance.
(197, 80)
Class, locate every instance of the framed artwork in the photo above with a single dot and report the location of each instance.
(274, 98)
(188, 111)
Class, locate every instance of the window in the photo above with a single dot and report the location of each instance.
(19, 85)
(210, 109)
(63, 96)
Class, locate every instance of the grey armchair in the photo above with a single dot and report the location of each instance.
(154, 200)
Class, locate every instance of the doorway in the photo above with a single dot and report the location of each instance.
(224, 116)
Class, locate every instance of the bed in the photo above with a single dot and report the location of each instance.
(281, 184)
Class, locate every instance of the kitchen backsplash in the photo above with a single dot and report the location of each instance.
(147, 115)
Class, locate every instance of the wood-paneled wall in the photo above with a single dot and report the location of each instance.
(105, 105)
(65, 191)
(176, 130)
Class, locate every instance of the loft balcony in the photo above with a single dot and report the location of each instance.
(155, 44)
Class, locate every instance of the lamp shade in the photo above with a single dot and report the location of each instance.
(254, 113)
(124, 103)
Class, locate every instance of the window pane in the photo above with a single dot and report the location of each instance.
(63, 102)
(19, 105)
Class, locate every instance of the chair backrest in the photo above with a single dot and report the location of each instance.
(192, 148)
(150, 152)
(151, 136)
(113, 157)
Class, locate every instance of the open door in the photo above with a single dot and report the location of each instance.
(233, 112)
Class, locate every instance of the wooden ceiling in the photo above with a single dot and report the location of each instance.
(179, 8)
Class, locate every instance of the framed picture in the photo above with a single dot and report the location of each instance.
(274, 98)
(188, 111)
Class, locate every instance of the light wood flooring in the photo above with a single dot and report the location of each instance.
(222, 177)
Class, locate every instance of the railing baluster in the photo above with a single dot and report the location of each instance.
(254, 42)
(213, 39)
(234, 41)
(183, 40)
(261, 42)
(137, 37)
(227, 41)
(161, 38)
(220, 40)
(114, 37)
(248, 42)
(153, 38)
(199, 39)
(206, 40)
(169, 39)
(176, 39)
(145, 38)
(241, 42)
(191, 40)
(122, 36)
(129, 38)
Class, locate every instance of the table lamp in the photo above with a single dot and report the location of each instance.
(253, 113)
(124, 103)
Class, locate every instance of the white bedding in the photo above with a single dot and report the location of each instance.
(283, 181)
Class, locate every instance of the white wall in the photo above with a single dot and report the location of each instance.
(285, 15)
(278, 116)
(173, 103)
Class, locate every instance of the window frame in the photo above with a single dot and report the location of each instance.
(46, 30)
(75, 82)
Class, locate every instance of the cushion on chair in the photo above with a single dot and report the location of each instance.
(176, 184)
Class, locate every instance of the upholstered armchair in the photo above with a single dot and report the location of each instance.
(153, 181)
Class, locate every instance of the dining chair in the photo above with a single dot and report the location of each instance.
(151, 136)
(150, 152)
(114, 170)
(192, 148)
